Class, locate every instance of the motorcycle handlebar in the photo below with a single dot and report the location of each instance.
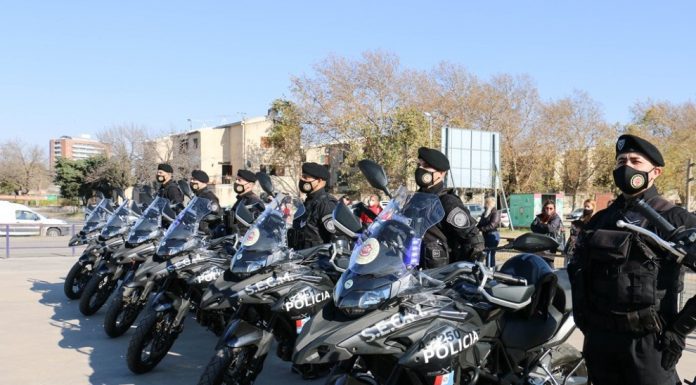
(655, 218)
(509, 278)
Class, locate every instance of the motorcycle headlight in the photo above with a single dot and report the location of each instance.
(173, 250)
(136, 240)
(242, 266)
(357, 303)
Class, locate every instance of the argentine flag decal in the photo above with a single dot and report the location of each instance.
(300, 323)
(445, 379)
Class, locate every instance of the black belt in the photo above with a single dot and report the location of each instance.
(641, 321)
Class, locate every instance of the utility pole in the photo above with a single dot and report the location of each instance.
(689, 178)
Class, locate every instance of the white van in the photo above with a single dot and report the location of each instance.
(24, 221)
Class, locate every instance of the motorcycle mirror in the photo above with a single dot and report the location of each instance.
(533, 243)
(185, 188)
(375, 175)
(134, 207)
(345, 221)
(118, 192)
(243, 215)
(265, 182)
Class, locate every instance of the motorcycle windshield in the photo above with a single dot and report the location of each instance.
(97, 217)
(149, 223)
(265, 241)
(118, 221)
(180, 235)
(389, 250)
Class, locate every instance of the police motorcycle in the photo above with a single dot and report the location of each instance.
(82, 270)
(107, 273)
(186, 261)
(275, 290)
(142, 240)
(389, 323)
(140, 247)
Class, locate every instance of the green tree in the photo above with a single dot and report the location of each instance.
(71, 176)
(285, 138)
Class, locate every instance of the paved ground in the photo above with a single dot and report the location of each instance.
(45, 340)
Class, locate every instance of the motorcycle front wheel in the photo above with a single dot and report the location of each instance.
(77, 278)
(151, 342)
(96, 292)
(122, 312)
(232, 366)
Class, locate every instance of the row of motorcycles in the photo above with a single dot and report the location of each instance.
(360, 307)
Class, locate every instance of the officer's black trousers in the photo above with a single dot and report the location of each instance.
(622, 358)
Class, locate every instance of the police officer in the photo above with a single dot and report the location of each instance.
(456, 237)
(168, 189)
(625, 287)
(199, 185)
(316, 226)
(244, 187)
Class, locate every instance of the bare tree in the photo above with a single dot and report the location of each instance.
(22, 167)
(577, 128)
(671, 127)
(128, 154)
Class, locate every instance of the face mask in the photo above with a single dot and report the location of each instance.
(424, 178)
(238, 187)
(194, 186)
(160, 178)
(305, 187)
(629, 180)
(587, 212)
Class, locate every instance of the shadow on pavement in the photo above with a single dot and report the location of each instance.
(183, 365)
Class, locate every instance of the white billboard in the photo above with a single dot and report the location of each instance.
(474, 157)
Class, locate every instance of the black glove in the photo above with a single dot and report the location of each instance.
(685, 240)
(672, 345)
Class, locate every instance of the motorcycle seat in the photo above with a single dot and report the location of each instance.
(563, 300)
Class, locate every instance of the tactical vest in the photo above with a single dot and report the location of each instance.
(622, 276)
(436, 250)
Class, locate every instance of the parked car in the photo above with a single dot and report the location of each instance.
(475, 209)
(21, 220)
(575, 214)
(504, 218)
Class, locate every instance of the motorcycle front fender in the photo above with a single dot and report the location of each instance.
(162, 302)
(240, 333)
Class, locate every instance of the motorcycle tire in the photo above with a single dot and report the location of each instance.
(232, 366)
(121, 314)
(151, 342)
(564, 358)
(96, 293)
(77, 278)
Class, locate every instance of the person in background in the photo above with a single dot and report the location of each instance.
(577, 225)
(374, 207)
(346, 200)
(549, 223)
(488, 224)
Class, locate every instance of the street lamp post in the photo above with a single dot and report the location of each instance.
(430, 130)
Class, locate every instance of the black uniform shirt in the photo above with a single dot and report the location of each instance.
(316, 226)
(171, 191)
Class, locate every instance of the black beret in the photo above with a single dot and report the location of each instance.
(200, 176)
(247, 175)
(165, 167)
(316, 170)
(632, 143)
(434, 158)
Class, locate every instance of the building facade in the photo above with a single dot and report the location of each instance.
(79, 148)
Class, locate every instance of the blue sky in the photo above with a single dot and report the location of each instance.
(71, 67)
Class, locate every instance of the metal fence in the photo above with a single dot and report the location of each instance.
(20, 238)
